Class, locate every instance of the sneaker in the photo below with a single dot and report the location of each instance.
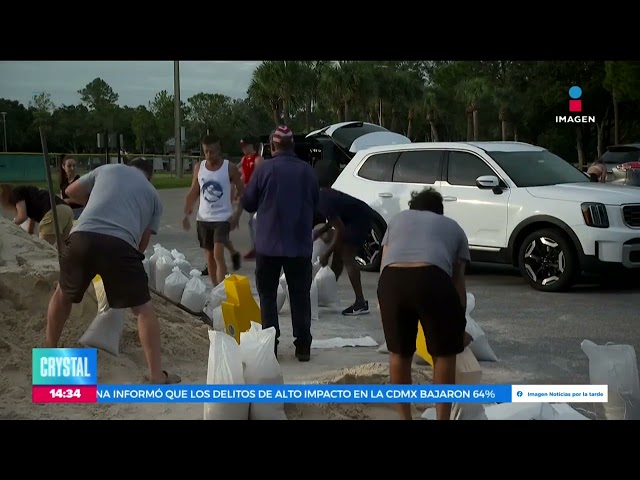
(236, 261)
(251, 255)
(358, 308)
(303, 353)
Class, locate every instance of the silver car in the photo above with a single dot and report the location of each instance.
(617, 155)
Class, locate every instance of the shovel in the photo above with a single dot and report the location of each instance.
(201, 315)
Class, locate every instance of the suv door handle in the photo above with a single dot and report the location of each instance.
(449, 199)
(385, 195)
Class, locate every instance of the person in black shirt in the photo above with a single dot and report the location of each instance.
(68, 175)
(32, 203)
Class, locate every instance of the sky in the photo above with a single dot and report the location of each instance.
(135, 82)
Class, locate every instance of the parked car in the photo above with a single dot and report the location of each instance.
(519, 204)
(330, 148)
(617, 157)
(632, 174)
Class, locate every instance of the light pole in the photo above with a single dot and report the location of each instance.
(4, 126)
(178, 130)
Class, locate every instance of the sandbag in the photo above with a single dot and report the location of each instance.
(174, 285)
(617, 367)
(225, 368)
(480, 344)
(320, 247)
(181, 261)
(283, 284)
(164, 267)
(194, 296)
(217, 319)
(158, 251)
(315, 268)
(327, 287)
(261, 367)
(145, 265)
(468, 371)
(105, 331)
(218, 295)
(313, 296)
(512, 411)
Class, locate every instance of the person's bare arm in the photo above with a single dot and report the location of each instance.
(79, 191)
(144, 240)
(194, 192)
(336, 239)
(236, 179)
(21, 213)
(153, 228)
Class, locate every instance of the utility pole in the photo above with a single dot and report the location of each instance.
(178, 130)
(4, 125)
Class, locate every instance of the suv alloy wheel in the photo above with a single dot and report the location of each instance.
(370, 254)
(548, 261)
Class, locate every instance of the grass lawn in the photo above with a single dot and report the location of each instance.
(161, 181)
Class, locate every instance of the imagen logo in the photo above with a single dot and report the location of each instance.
(575, 106)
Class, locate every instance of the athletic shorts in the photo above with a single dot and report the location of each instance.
(88, 254)
(65, 222)
(212, 232)
(425, 295)
(356, 234)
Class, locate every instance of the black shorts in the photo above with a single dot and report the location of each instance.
(86, 255)
(355, 234)
(213, 232)
(426, 295)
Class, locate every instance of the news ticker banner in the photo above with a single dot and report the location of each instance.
(69, 375)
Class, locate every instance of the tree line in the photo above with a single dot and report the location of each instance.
(426, 101)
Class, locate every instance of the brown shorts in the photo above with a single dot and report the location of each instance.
(86, 255)
(65, 222)
(213, 232)
(426, 295)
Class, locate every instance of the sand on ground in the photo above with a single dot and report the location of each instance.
(28, 274)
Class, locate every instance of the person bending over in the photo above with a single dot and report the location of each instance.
(424, 256)
(351, 220)
(31, 203)
(122, 211)
(212, 180)
(284, 192)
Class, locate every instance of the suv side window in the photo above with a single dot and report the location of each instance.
(422, 166)
(465, 167)
(379, 167)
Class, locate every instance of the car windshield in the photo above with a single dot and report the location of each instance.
(537, 169)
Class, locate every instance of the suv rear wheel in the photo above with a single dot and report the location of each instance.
(370, 253)
(548, 261)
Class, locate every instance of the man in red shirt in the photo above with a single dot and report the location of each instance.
(248, 164)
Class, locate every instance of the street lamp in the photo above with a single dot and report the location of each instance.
(178, 130)
(4, 125)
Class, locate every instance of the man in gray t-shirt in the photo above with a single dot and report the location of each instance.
(422, 282)
(122, 211)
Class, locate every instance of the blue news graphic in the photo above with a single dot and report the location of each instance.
(304, 393)
(64, 366)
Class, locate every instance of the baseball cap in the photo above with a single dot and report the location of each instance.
(282, 134)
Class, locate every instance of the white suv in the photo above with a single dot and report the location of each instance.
(519, 204)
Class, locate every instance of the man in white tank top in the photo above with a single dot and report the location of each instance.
(212, 181)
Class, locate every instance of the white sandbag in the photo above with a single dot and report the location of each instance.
(105, 331)
(383, 348)
(225, 368)
(511, 411)
(217, 319)
(158, 251)
(617, 367)
(281, 297)
(480, 344)
(195, 295)
(164, 267)
(217, 296)
(283, 284)
(315, 268)
(181, 261)
(327, 287)
(174, 285)
(320, 247)
(313, 296)
(468, 371)
(261, 367)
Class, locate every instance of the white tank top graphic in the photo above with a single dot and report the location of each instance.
(215, 194)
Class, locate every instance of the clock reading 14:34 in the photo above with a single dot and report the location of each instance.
(65, 393)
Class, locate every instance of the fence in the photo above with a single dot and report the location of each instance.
(29, 167)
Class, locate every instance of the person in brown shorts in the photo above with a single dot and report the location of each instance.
(122, 211)
(422, 281)
(34, 204)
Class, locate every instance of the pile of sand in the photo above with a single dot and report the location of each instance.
(28, 275)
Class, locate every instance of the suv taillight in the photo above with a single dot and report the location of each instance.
(623, 167)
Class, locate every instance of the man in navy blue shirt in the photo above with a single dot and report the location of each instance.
(284, 192)
(351, 220)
